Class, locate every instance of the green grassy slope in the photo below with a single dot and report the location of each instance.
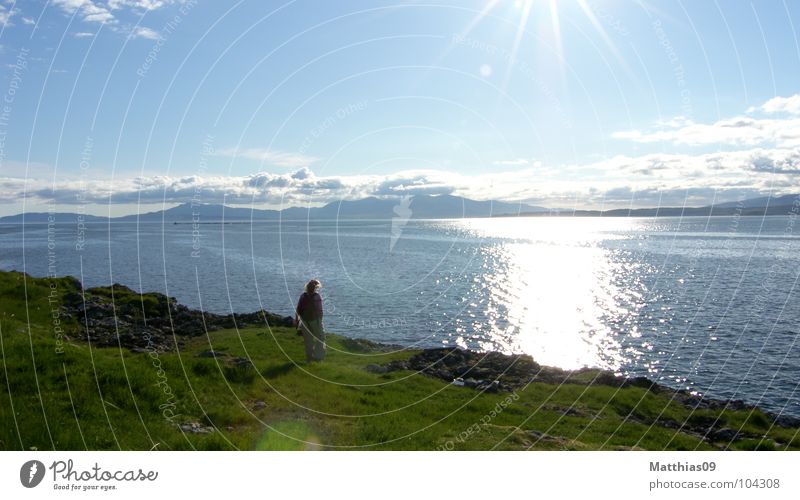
(73, 396)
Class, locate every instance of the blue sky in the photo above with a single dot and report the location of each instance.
(115, 104)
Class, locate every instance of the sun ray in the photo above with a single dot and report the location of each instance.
(604, 35)
(523, 21)
(556, 24)
(483, 13)
(468, 29)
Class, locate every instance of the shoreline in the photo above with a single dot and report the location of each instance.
(164, 324)
(566, 214)
(212, 382)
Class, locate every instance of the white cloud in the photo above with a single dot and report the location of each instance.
(147, 33)
(741, 130)
(104, 11)
(518, 162)
(783, 105)
(614, 182)
(138, 4)
(674, 122)
(270, 156)
(29, 21)
(88, 10)
(737, 131)
(83, 34)
(6, 14)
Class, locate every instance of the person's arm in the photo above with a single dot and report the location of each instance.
(298, 311)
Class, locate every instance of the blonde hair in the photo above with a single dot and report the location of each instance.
(312, 286)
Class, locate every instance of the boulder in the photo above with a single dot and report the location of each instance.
(211, 354)
(725, 434)
(196, 428)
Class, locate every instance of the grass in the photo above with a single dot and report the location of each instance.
(73, 396)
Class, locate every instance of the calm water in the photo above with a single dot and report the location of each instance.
(706, 304)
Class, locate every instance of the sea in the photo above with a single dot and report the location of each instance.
(708, 304)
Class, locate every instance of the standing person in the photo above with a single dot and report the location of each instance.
(308, 317)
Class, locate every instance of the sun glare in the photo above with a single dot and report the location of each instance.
(551, 289)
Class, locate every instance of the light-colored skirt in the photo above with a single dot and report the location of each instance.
(314, 339)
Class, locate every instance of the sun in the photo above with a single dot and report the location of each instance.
(520, 12)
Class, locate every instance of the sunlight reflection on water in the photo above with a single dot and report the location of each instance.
(555, 289)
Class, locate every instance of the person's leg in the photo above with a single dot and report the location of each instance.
(319, 340)
(308, 341)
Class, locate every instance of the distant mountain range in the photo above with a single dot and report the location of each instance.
(776, 205)
(416, 207)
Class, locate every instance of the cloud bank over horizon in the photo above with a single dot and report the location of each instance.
(621, 181)
(757, 156)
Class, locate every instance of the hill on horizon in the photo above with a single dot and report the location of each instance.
(418, 207)
(415, 207)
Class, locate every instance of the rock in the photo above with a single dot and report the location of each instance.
(397, 365)
(373, 368)
(573, 412)
(450, 363)
(240, 362)
(642, 382)
(364, 345)
(443, 374)
(471, 382)
(211, 354)
(668, 423)
(702, 422)
(786, 421)
(492, 386)
(738, 404)
(607, 378)
(240, 370)
(196, 428)
(258, 318)
(725, 434)
(118, 315)
(259, 405)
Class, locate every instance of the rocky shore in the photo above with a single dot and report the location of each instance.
(493, 371)
(246, 370)
(117, 316)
